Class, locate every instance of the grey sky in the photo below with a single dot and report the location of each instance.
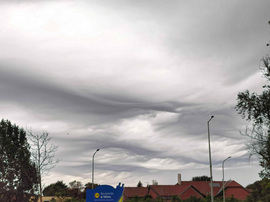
(137, 79)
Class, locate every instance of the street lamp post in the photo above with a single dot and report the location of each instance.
(93, 168)
(223, 178)
(210, 161)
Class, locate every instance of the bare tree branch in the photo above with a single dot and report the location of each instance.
(43, 154)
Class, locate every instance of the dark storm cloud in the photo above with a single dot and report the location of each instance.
(117, 75)
(123, 168)
(42, 95)
(193, 122)
(219, 33)
(106, 142)
(108, 167)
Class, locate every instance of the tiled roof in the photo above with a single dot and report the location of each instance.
(236, 192)
(191, 191)
(168, 190)
(187, 189)
(233, 184)
(232, 188)
(164, 191)
(135, 191)
(203, 186)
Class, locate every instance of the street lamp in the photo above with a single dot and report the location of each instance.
(93, 168)
(223, 178)
(210, 161)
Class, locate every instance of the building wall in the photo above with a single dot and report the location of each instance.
(49, 198)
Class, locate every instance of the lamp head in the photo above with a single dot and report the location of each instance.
(210, 118)
(97, 149)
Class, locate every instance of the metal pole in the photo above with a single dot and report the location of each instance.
(223, 178)
(93, 168)
(210, 161)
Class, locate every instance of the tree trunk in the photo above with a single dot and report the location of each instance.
(40, 189)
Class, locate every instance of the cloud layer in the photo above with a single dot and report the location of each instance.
(138, 80)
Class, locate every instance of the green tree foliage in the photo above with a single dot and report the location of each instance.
(56, 189)
(75, 190)
(256, 109)
(176, 199)
(260, 191)
(201, 178)
(18, 175)
(76, 185)
(139, 184)
(88, 186)
(193, 199)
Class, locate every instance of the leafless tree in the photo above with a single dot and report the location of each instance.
(258, 138)
(43, 154)
(258, 145)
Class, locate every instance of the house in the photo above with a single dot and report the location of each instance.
(168, 191)
(187, 189)
(161, 191)
(131, 192)
(232, 188)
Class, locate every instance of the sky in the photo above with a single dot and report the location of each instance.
(138, 80)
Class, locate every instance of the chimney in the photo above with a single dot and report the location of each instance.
(179, 179)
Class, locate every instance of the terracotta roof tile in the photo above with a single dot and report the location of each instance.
(169, 190)
(187, 189)
(135, 191)
(236, 192)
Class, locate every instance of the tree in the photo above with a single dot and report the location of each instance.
(76, 185)
(18, 175)
(260, 191)
(176, 199)
(43, 154)
(201, 178)
(139, 184)
(256, 109)
(76, 189)
(88, 186)
(58, 189)
(193, 199)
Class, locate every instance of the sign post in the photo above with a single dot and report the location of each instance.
(105, 193)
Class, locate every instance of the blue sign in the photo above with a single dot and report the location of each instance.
(105, 193)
